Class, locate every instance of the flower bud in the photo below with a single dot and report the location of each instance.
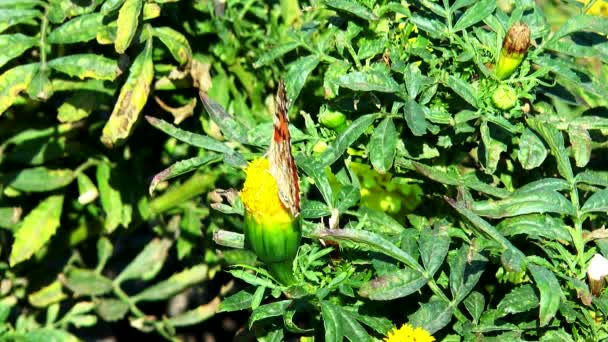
(514, 48)
(331, 119)
(504, 97)
(271, 231)
(596, 273)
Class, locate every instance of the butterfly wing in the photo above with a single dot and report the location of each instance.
(282, 164)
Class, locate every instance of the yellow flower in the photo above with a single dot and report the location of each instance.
(260, 194)
(599, 8)
(409, 334)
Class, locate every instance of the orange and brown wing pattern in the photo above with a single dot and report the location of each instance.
(282, 164)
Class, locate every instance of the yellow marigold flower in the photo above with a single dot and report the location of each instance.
(271, 231)
(407, 333)
(599, 8)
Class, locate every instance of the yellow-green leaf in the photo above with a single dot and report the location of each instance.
(87, 65)
(80, 29)
(47, 295)
(36, 229)
(38, 179)
(176, 43)
(111, 201)
(14, 81)
(128, 20)
(131, 101)
(13, 45)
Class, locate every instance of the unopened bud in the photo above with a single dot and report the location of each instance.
(514, 48)
(596, 273)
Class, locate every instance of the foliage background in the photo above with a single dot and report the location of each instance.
(455, 215)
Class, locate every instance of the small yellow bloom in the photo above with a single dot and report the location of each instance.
(409, 334)
(260, 193)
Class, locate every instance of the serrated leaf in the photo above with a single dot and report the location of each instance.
(269, 310)
(414, 116)
(13, 45)
(197, 315)
(433, 27)
(532, 151)
(127, 23)
(86, 65)
(14, 16)
(182, 167)
(535, 226)
(475, 304)
(526, 203)
(176, 43)
(492, 149)
(111, 310)
(520, 299)
(13, 82)
(550, 292)
(133, 96)
(598, 202)
(315, 171)
(463, 89)
(147, 263)
(346, 138)
(396, 284)
(297, 73)
(281, 49)
(433, 245)
(231, 128)
(174, 285)
(238, 301)
(340, 323)
(346, 198)
(475, 14)
(465, 271)
(87, 282)
(80, 29)
(371, 80)
(40, 335)
(38, 179)
(36, 229)
(555, 140)
(47, 295)
(353, 8)
(432, 316)
(581, 145)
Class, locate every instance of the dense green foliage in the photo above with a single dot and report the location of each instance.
(433, 193)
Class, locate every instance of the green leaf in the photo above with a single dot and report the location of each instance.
(80, 29)
(87, 282)
(346, 198)
(128, 21)
(465, 271)
(111, 201)
(433, 245)
(174, 285)
(9, 217)
(526, 203)
(433, 27)
(269, 310)
(14, 16)
(231, 128)
(475, 14)
(598, 202)
(382, 222)
(133, 96)
(147, 263)
(86, 65)
(278, 51)
(36, 229)
(536, 226)
(371, 80)
(463, 89)
(111, 310)
(396, 284)
(492, 149)
(110, 6)
(513, 259)
(47, 295)
(340, 323)
(532, 151)
(550, 292)
(475, 304)
(432, 316)
(414, 116)
(353, 8)
(13, 45)
(520, 299)
(13, 82)
(176, 43)
(38, 179)
(593, 177)
(238, 301)
(314, 170)
(369, 241)
(555, 140)
(41, 335)
(197, 315)
(346, 138)
(104, 252)
(581, 145)
(182, 167)
(297, 73)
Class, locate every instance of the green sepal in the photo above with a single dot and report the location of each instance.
(508, 63)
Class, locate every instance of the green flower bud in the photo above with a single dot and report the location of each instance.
(331, 119)
(504, 97)
(514, 48)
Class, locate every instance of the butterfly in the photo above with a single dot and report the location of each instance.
(282, 164)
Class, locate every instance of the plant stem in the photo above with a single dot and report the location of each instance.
(198, 184)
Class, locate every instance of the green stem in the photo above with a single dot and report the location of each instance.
(125, 298)
(42, 43)
(198, 184)
(283, 272)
